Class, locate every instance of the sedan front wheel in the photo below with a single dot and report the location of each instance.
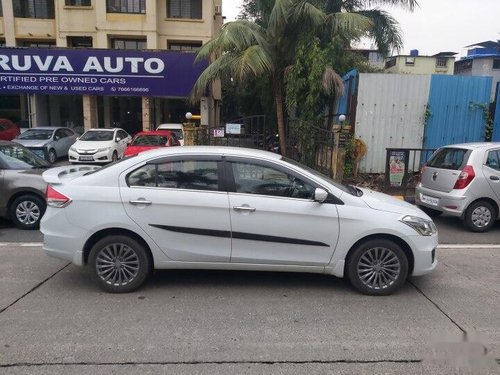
(377, 267)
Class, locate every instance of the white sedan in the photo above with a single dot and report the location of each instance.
(231, 209)
(99, 145)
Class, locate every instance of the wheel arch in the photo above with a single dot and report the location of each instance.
(486, 199)
(20, 193)
(114, 232)
(383, 236)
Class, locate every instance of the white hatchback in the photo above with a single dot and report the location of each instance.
(99, 145)
(232, 209)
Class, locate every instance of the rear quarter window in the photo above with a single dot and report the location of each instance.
(449, 158)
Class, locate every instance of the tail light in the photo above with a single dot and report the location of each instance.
(465, 177)
(55, 198)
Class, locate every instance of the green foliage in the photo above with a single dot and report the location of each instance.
(427, 114)
(487, 118)
(349, 160)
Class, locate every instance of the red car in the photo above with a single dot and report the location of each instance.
(144, 141)
(8, 130)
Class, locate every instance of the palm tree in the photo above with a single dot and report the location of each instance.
(244, 49)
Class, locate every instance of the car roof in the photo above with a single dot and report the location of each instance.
(210, 150)
(474, 145)
(155, 132)
(103, 129)
(46, 128)
(172, 125)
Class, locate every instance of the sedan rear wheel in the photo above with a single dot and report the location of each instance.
(377, 267)
(119, 264)
(480, 216)
(52, 156)
(26, 211)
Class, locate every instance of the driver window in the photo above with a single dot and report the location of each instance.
(262, 180)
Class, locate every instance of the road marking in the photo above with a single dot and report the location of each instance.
(440, 247)
(470, 246)
(22, 244)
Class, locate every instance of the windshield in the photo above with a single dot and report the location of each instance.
(338, 185)
(36, 134)
(177, 132)
(97, 136)
(150, 140)
(19, 157)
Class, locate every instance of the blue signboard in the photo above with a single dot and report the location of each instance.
(97, 72)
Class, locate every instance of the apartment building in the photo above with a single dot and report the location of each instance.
(441, 63)
(104, 63)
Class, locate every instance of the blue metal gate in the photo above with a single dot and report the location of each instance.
(455, 110)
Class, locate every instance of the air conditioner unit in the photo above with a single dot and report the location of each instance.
(218, 10)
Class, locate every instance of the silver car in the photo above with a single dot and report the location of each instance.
(463, 180)
(48, 142)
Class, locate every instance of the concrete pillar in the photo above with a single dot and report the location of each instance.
(8, 22)
(89, 112)
(189, 134)
(108, 121)
(146, 113)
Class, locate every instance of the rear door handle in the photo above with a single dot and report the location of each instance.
(141, 201)
(244, 208)
(494, 178)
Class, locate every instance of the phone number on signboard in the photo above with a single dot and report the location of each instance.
(133, 89)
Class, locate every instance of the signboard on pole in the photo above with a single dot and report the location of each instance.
(233, 128)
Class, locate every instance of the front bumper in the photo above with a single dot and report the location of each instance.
(97, 157)
(424, 253)
(446, 202)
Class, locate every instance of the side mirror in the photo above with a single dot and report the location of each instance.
(320, 195)
(77, 138)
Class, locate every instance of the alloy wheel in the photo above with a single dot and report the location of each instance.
(378, 268)
(28, 212)
(117, 264)
(481, 216)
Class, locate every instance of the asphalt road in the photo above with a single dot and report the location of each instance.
(53, 320)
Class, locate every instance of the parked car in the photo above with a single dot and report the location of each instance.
(99, 146)
(149, 140)
(230, 208)
(8, 130)
(48, 142)
(178, 129)
(22, 187)
(463, 180)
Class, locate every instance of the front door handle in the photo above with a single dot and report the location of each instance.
(141, 201)
(244, 209)
(494, 178)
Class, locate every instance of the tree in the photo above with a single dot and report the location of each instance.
(244, 49)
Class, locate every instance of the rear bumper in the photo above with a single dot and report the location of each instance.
(68, 244)
(447, 202)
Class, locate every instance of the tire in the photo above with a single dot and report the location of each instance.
(26, 211)
(363, 270)
(430, 211)
(108, 254)
(480, 216)
(114, 157)
(52, 156)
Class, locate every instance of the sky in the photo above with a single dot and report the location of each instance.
(435, 26)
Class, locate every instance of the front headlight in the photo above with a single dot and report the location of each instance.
(103, 149)
(422, 226)
(73, 148)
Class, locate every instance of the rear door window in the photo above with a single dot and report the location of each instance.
(493, 160)
(449, 158)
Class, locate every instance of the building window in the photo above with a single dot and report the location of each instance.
(410, 61)
(191, 9)
(34, 9)
(2, 43)
(136, 44)
(1, 10)
(184, 46)
(78, 3)
(126, 6)
(496, 64)
(463, 66)
(37, 44)
(441, 62)
(390, 63)
(80, 41)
